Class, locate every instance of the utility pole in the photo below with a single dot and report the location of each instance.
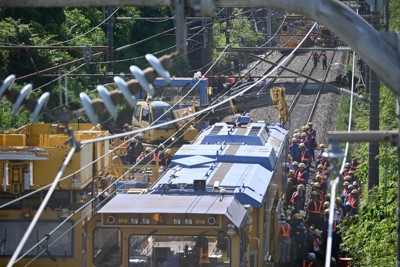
(374, 83)
(269, 22)
(208, 40)
(228, 25)
(110, 43)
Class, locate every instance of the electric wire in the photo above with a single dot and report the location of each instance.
(335, 182)
(86, 33)
(68, 176)
(47, 236)
(112, 184)
(41, 208)
(115, 137)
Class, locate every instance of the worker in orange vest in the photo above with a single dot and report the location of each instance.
(283, 233)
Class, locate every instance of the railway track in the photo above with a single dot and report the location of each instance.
(302, 106)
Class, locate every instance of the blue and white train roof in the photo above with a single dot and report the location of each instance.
(229, 159)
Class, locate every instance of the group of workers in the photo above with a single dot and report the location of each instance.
(324, 59)
(136, 153)
(303, 226)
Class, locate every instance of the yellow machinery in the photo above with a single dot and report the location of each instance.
(278, 96)
(293, 31)
(30, 158)
(158, 112)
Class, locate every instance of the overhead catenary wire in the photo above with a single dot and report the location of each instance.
(335, 182)
(208, 108)
(41, 208)
(71, 215)
(66, 177)
(153, 123)
(38, 214)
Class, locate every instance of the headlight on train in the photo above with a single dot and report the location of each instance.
(211, 220)
(188, 221)
(177, 221)
(146, 221)
(111, 219)
(134, 220)
(231, 231)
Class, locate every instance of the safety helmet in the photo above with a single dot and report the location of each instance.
(324, 155)
(282, 217)
(317, 232)
(313, 193)
(162, 147)
(295, 163)
(303, 128)
(303, 134)
(310, 124)
(326, 204)
(346, 183)
(320, 166)
(318, 177)
(348, 204)
(294, 140)
(302, 165)
(311, 256)
(347, 178)
(321, 145)
(347, 165)
(354, 191)
(168, 151)
(296, 135)
(302, 187)
(351, 187)
(302, 145)
(317, 185)
(355, 183)
(291, 172)
(126, 125)
(298, 216)
(339, 201)
(148, 149)
(296, 130)
(326, 212)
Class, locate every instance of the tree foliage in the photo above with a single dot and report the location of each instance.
(241, 33)
(371, 237)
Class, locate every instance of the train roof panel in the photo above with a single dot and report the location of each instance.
(193, 161)
(178, 175)
(263, 155)
(187, 204)
(254, 188)
(254, 134)
(248, 181)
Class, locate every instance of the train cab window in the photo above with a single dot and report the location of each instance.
(107, 247)
(179, 251)
(145, 114)
(162, 114)
(137, 111)
(11, 233)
